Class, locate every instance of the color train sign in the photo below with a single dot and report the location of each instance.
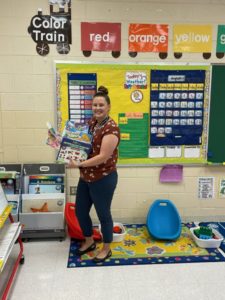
(52, 29)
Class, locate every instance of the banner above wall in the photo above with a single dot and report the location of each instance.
(52, 29)
(148, 38)
(101, 37)
(220, 47)
(192, 39)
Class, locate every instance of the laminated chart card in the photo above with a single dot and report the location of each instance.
(82, 88)
(133, 134)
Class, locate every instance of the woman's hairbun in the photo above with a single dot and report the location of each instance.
(103, 90)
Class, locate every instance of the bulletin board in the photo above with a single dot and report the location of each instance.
(216, 146)
(162, 110)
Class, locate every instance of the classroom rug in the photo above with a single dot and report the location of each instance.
(219, 226)
(138, 247)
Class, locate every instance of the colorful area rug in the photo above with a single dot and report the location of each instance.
(139, 248)
(219, 226)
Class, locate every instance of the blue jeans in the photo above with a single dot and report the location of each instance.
(99, 193)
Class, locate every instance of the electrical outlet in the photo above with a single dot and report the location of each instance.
(73, 190)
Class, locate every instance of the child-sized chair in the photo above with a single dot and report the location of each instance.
(74, 229)
(163, 220)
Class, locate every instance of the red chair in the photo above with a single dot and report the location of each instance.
(74, 229)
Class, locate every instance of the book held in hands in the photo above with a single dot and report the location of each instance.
(75, 142)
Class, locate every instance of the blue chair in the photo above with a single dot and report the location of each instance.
(163, 220)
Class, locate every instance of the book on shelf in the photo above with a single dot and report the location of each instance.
(3, 200)
(8, 174)
(45, 188)
(15, 206)
(39, 184)
(8, 185)
(46, 179)
(10, 181)
(8, 236)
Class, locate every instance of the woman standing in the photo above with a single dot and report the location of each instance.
(98, 176)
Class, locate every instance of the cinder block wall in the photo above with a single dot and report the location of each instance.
(27, 98)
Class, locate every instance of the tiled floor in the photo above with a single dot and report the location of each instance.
(45, 276)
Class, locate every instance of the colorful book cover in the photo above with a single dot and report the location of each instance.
(77, 131)
(54, 138)
(46, 179)
(8, 185)
(73, 149)
(45, 188)
(14, 207)
(8, 174)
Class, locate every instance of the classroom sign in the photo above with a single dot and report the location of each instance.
(192, 38)
(54, 28)
(162, 111)
(148, 38)
(100, 36)
(220, 46)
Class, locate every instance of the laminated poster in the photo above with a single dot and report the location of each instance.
(206, 187)
(222, 188)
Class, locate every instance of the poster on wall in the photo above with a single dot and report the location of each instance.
(162, 111)
(54, 28)
(206, 187)
(222, 188)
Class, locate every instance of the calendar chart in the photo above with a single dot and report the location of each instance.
(177, 107)
(81, 89)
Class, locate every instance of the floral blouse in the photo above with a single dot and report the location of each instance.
(97, 172)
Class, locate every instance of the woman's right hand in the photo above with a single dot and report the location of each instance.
(73, 164)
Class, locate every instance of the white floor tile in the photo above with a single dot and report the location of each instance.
(45, 276)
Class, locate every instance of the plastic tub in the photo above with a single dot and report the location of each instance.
(117, 237)
(210, 243)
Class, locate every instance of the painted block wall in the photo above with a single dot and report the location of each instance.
(27, 98)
